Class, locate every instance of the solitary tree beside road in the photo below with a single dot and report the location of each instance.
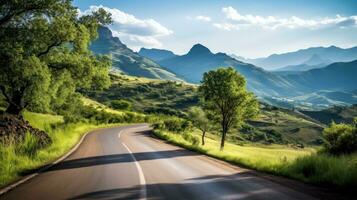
(224, 94)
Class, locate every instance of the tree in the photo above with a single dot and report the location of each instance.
(224, 94)
(44, 56)
(199, 120)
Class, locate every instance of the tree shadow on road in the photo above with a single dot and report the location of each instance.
(241, 185)
(120, 158)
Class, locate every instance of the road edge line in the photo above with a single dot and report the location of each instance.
(141, 174)
(31, 176)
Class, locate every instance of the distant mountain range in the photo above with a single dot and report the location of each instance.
(200, 59)
(297, 58)
(322, 86)
(314, 62)
(309, 83)
(126, 60)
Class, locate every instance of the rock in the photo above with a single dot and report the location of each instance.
(14, 129)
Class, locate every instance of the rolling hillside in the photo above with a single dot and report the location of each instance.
(275, 125)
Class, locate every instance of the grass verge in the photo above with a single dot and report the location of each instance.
(302, 164)
(17, 159)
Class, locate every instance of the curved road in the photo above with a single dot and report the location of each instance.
(128, 163)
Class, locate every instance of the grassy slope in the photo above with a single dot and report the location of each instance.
(301, 164)
(150, 95)
(13, 162)
(260, 157)
(338, 114)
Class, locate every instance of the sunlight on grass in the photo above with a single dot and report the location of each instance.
(302, 164)
(14, 162)
(260, 158)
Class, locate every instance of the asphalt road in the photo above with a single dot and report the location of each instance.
(128, 163)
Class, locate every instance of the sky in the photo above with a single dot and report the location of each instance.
(250, 29)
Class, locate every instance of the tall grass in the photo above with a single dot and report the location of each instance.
(15, 159)
(302, 164)
(324, 169)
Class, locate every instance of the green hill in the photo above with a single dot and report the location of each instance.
(274, 125)
(337, 114)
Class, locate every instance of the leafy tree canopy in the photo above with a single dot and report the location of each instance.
(44, 56)
(225, 96)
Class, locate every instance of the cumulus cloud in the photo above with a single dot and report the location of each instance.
(203, 18)
(237, 21)
(133, 31)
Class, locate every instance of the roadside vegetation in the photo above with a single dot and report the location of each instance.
(333, 165)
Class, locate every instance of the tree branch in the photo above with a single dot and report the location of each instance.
(54, 44)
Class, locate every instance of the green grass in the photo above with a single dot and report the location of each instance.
(17, 159)
(302, 164)
(323, 169)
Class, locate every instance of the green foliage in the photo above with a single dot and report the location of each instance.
(120, 104)
(174, 124)
(199, 120)
(44, 54)
(194, 140)
(341, 138)
(225, 95)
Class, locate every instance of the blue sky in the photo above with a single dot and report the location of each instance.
(246, 28)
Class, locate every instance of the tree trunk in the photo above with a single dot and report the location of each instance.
(13, 109)
(16, 104)
(203, 137)
(223, 139)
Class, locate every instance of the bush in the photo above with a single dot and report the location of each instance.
(190, 138)
(173, 124)
(340, 138)
(120, 104)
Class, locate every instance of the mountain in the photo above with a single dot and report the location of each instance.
(339, 76)
(126, 60)
(156, 54)
(332, 53)
(313, 62)
(240, 58)
(200, 59)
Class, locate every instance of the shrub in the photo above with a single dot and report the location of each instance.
(173, 124)
(340, 138)
(190, 138)
(120, 104)
(176, 125)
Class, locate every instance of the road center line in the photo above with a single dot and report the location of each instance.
(141, 174)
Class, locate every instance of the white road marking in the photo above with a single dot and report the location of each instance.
(119, 134)
(141, 174)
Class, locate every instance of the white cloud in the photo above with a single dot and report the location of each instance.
(133, 31)
(203, 18)
(237, 21)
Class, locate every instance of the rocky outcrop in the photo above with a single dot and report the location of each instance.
(14, 128)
